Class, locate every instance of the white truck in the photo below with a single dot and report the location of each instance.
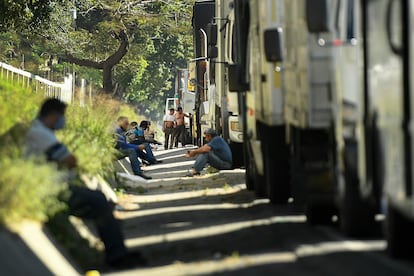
(302, 88)
(388, 115)
(217, 108)
(223, 105)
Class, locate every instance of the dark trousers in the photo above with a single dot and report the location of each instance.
(168, 132)
(179, 135)
(91, 204)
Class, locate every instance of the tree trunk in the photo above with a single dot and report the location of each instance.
(107, 65)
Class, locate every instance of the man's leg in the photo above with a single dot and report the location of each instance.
(216, 162)
(133, 158)
(176, 136)
(172, 133)
(166, 138)
(90, 204)
(148, 155)
(200, 162)
(183, 136)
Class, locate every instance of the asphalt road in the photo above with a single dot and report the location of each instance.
(212, 225)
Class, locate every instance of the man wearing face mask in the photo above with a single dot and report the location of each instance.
(82, 202)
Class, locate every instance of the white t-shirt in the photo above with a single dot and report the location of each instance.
(169, 118)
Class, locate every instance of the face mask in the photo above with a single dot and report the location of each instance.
(60, 123)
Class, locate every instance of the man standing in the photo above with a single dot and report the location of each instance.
(179, 133)
(168, 128)
(216, 152)
(82, 202)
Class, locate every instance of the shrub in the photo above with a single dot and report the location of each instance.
(28, 190)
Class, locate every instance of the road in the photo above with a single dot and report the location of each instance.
(212, 225)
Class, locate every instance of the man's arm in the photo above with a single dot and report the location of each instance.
(191, 153)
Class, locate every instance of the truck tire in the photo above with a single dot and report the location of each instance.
(319, 213)
(250, 168)
(276, 166)
(356, 215)
(399, 234)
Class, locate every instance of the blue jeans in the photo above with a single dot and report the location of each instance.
(133, 157)
(214, 161)
(91, 204)
(148, 155)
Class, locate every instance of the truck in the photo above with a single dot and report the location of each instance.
(218, 109)
(378, 158)
(301, 90)
(388, 117)
(203, 14)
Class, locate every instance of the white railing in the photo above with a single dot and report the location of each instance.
(62, 91)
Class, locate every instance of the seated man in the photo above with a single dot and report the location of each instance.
(148, 135)
(82, 202)
(135, 133)
(216, 152)
(132, 150)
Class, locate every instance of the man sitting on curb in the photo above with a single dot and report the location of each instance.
(133, 151)
(82, 202)
(216, 152)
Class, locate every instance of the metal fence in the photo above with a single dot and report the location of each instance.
(62, 91)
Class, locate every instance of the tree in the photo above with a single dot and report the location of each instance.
(22, 14)
(134, 46)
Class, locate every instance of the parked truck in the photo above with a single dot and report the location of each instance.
(302, 113)
(225, 118)
(203, 14)
(217, 108)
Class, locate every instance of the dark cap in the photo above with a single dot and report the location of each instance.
(210, 131)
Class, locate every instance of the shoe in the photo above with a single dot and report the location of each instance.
(143, 175)
(158, 161)
(191, 174)
(130, 260)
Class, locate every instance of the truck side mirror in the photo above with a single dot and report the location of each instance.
(317, 16)
(235, 79)
(273, 45)
(212, 34)
(212, 52)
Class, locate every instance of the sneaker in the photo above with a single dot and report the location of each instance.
(191, 174)
(130, 260)
(143, 175)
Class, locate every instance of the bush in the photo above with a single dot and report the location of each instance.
(28, 190)
(89, 134)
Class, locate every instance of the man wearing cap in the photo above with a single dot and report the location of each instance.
(216, 152)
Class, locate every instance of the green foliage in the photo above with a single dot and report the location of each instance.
(88, 134)
(28, 189)
(160, 41)
(14, 105)
(24, 13)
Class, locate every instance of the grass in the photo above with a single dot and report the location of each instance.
(30, 189)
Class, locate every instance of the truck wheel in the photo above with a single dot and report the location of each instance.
(260, 186)
(356, 215)
(277, 171)
(319, 213)
(249, 167)
(399, 234)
